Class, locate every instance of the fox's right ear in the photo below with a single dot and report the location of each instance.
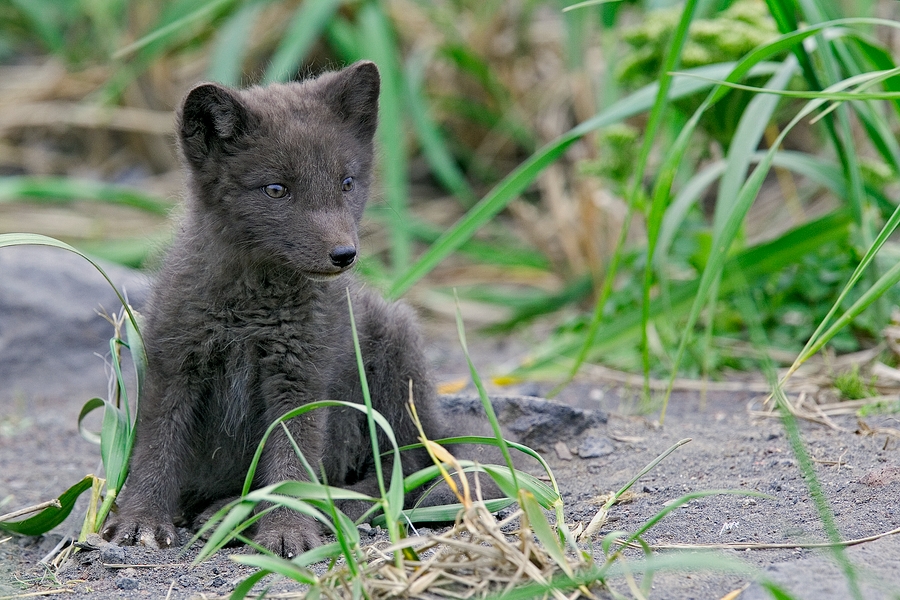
(211, 118)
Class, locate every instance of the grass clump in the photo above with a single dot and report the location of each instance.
(852, 386)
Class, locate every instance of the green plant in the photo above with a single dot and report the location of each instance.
(118, 429)
(317, 500)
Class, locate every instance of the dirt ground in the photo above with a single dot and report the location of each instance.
(45, 383)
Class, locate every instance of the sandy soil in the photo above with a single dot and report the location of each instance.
(41, 454)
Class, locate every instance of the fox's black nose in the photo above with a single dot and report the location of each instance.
(343, 256)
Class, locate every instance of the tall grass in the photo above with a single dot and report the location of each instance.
(821, 74)
(117, 434)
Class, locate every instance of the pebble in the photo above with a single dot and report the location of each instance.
(595, 447)
(126, 580)
(112, 554)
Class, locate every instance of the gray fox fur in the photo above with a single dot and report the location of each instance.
(248, 317)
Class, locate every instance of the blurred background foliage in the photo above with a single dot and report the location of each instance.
(521, 156)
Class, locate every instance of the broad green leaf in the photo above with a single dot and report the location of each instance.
(50, 517)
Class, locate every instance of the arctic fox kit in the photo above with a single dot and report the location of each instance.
(248, 317)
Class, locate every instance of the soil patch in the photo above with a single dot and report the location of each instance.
(591, 436)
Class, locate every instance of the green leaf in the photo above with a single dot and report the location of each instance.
(276, 564)
(434, 146)
(517, 181)
(304, 29)
(378, 43)
(445, 513)
(230, 46)
(541, 528)
(89, 407)
(64, 189)
(52, 516)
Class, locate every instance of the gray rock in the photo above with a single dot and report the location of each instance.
(533, 421)
(126, 580)
(50, 332)
(112, 554)
(595, 447)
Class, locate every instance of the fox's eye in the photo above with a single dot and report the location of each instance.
(347, 184)
(275, 190)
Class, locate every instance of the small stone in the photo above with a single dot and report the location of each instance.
(365, 529)
(127, 583)
(562, 451)
(595, 447)
(217, 581)
(112, 554)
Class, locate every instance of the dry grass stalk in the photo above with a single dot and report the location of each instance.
(473, 559)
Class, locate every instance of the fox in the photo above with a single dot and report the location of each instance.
(248, 316)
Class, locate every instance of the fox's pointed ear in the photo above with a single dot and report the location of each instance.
(354, 93)
(211, 117)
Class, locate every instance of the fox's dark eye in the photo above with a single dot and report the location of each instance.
(275, 190)
(347, 184)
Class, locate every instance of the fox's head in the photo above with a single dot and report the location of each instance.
(282, 172)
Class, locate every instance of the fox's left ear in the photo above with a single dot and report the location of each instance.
(353, 92)
(211, 118)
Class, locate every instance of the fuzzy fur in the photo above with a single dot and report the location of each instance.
(248, 318)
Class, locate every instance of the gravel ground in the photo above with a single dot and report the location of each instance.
(592, 437)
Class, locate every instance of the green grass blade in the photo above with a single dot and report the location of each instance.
(114, 446)
(434, 146)
(89, 407)
(379, 44)
(517, 181)
(230, 46)
(304, 29)
(490, 441)
(225, 529)
(657, 206)
(485, 401)
(884, 283)
(276, 564)
(307, 490)
(747, 136)
(755, 262)
(443, 514)
(52, 516)
(542, 530)
(245, 587)
(723, 238)
(33, 239)
(393, 496)
(205, 11)
(789, 421)
(64, 189)
(814, 341)
(300, 410)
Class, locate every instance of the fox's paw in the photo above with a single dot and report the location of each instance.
(287, 533)
(152, 532)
